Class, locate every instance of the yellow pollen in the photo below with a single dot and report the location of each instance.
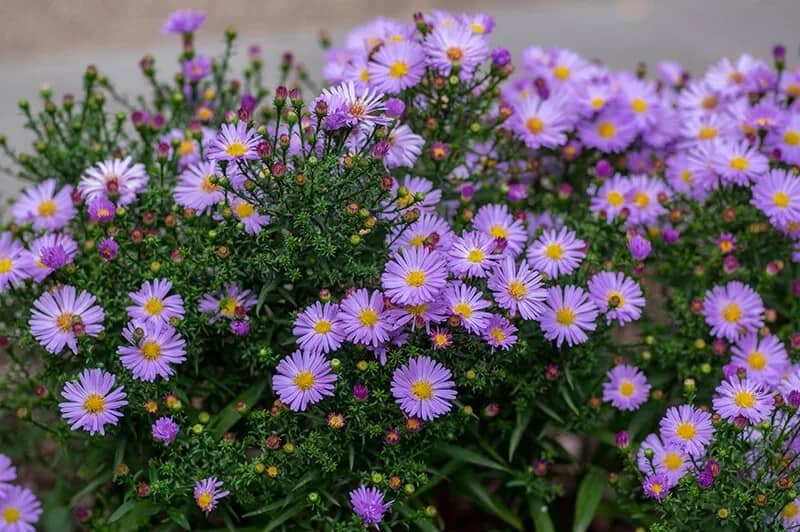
(227, 306)
(656, 488)
(707, 133)
(615, 198)
(6, 264)
(396, 38)
(534, 125)
(561, 72)
(47, 208)
(357, 109)
(478, 28)
(790, 511)
(398, 69)
(498, 335)
(639, 105)
(245, 210)
(641, 200)
(474, 256)
(422, 390)
(686, 177)
(186, 147)
(39, 264)
(757, 360)
(364, 75)
(781, 199)
(597, 102)
(208, 186)
(791, 137)
(11, 515)
(94, 403)
(64, 322)
(323, 327)
(627, 388)
(554, 251)
(151, 350)
(732, 313)
(498, 231)
(709, 103)
(454, 53)
(154, 306)
(737, 77)
(236, 149)
(440, 339)
(417, 310)
(415, 278)
(673, 461)
(565, 316)
(686, 431)
(793, 89)
(615, 298)
(462, 309)
(417, 240)
(517, 290)
(204, 500)
(739, 163)
(368, 317)
(744, 399)
(606, 129)
(304, 380)
(726, 246)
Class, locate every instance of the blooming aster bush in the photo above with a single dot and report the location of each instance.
(552, 292)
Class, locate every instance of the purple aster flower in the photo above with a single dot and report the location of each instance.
(501, 57)
(611, 131)
(790, 514)
(627, 388)
(208, 492)
(154, 346)
(235, 142)
(19, 510)
(688, 428)
(228, 304)
(430, 230)
(91, 403)
(644, 199)
(152, 304)
(479, 23)
(500, 333)
(196, 68)
(14, 267)
(421, 315)
(471, 254)
(8, 474)
(651, 443)
(542, 123)
(610, 198)
(240, 327)
(108, 249)
(657, 486)
(705, 480)
(786, 138)
(60, 316)
(183, 21)
(742, 397)
(777, 195)
(466, 302)
(417, 187)
(497, 222)
(729, 78)
(404, 147)
(639, 247)
(165, 430)
(733, 310)
(517, 289)
(617, 296)
(455, 45)
(49, 253)
(248, 214)
(303, 379)
(739, 164)
(43, 207)
(423, 388)
(556, 253)
(101, 210)
(360, 392)
(354, 106)
(765, 359)
(318, 328)
(195, 189)
(397, 66)
(117, 179)
(726, 243)
(671, 461)
(414, 276)
(364, 319)
(368, 505)
(568, 315)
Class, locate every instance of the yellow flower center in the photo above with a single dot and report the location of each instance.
(323, 327)
(732, 312)
(561, 72)
(440, 339)
(615, 198)
(606, 129)
(744, 399)
(791, 137)
(11, 515)
(597, 102)
(462, 309)
(417, 240)
(186, 147)
(304, 380)
(454, 53)
(793, 89)
(154, 306)
(204, 500)
(790, 511)
(47, 208)
(498, 335)
(656, 488)
(478, 28)
(686, 177)
(227, 306)
(398, 69)
(64, 322)
(709, 103)
(565, 316)
(686, 430)
(781, 199)
(673, 461)
(245, 210)
(641, 200)
(476, 256)
(422, 390)
(6, 264)
(498, 231)
(94, 403)
(396, 38)
(415, 278)
(208, 186)
(517, 290)
(534, 125)
(364, 75)
(368, 317)
(639, 105)
(739, 163)
(417, 310)
(627, 388)
(236, 149)
(757, 360)
(615, 299)
(554, 251)
(151, 350)
(707, 133)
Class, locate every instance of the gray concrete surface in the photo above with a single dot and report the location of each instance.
(620, 32)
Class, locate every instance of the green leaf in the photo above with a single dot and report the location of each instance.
(120, 512)
(179, 518)
(472, 457)
(90, 487)
(568, 400)
(550, 412)
(230, 415)
(423, 524)
(523, 420)
(494, 505)
(590, 492)
(281, 503)
(285, 516)
(540, 516)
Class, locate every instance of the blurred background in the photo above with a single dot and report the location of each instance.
(52, 41)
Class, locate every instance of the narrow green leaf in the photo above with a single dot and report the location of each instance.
(179, 518)
(523, 420)
(472, 457)
(540, 516)
(590, 492)
(229, 415)
(490, 503)
(90, 487)
(550, 412)
(568, 400)
(120, 512)
(285, 516)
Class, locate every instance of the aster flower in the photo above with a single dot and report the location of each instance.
(107, 249)
(497, 222)
(617, 296)
(208, 492)
(14, 268)
(568, 315)
(303, 379)
(43, 207)
(368, 505)
(195, 190)
(364, 318)
(672, 462)
(517, 289)
(354, 106)
(742, 397)
(652, 443)
(119, 180)
(397, 66)
(500, 333)
(154, 346)
(466, 303)
(479, 23)
(732, 310)
(248, 214)
(730, 78)
(726, 243)
(423, 388)
(639, 247)
(644, 199)
(101, 210)
(688, 428)
(429, 230)
(657, 486)
(786, 138)
(471, 254)
(556, 252)
(455, 45)
(441, 338)
(183, 21)
(790, 514)
(627, 387)
(8, 474)
(611, 131)
(777, 195)
(19, 510)
(196, 68)
(92, 402)
(318, 328)
(416, 187)
(152, 304)
(46, 254)
(165, 430)
(610, 198)
(542, 123)
(60, 316)
(414, 276)
(228, 304)
(738, 164)
(405, 147)
(641, 98)
(765, 359)
(235, 142)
